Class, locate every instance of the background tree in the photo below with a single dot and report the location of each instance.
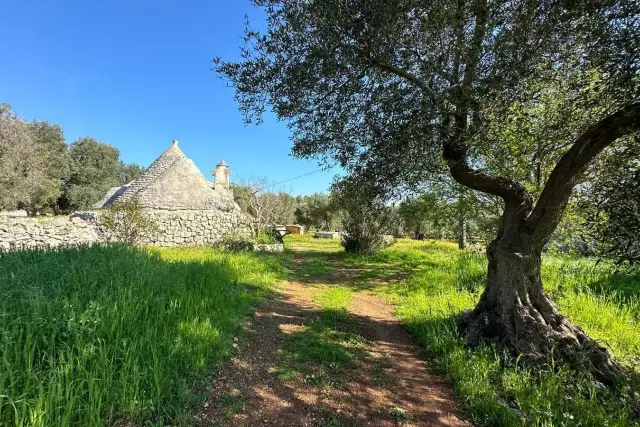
(390, 90)
(317, 211)
(268, 208)
(129, 172)
(610, 205)
(28, 167)
(52, 149)
(365, 216)
(94, 168)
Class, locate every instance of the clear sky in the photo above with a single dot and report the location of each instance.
(137, 74)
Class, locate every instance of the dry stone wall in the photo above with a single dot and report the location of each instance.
(195, 228)
(176, 228)
(43, 232)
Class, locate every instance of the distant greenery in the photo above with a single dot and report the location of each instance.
(40, 173)
(106, 335)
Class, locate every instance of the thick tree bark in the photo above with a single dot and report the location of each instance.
(514, 313)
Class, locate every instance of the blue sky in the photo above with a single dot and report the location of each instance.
(137, 74)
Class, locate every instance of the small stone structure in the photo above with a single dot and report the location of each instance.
(187, 209)
(295, 229)
(270, 247)
(327, 235)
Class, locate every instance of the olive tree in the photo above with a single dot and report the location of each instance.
(394, 90)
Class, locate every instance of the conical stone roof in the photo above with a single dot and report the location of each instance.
(171, 182)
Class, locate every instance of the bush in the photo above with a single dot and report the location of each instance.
(266, 237)
(127, 223)
(235, 242)
(364, 217)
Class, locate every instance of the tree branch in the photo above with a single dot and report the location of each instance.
(415, 80)
(557, 190)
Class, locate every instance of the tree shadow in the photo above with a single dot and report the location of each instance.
(323, 371)
(621, 285)
(142, 322)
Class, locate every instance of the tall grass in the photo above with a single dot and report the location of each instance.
(99, 335)
(500, 391)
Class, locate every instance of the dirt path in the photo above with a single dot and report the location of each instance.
(391, 386)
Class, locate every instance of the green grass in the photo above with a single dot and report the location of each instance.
(499, 392)
(325, 352)
(94, 336)
(231, 405)
(437, 282)
(334, 298)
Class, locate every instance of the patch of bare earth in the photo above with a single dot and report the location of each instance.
(393, 387)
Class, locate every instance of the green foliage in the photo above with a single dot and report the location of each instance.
(127, 222)
(317, 211)
(611, 205)
(32, 162)
(129, 172)
(379, 87)
(325, 352)
(266, 237)
(117, 335)
(236, 242)
(439, 282)
(450, 211)
(94, 168)
(495, 389)
(39, 173)
(365, 216)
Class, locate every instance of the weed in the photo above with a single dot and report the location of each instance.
(400, 415)
(230, 405)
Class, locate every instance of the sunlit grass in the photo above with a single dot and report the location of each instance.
(441, 282)
(91, 336)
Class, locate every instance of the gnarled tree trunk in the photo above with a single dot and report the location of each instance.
(515, 313)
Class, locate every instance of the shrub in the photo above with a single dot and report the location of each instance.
(127, 223)
(365, 216)
(235, 242)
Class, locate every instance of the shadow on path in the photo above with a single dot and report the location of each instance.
(392, 386)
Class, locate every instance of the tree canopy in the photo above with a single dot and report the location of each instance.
(514, 99)
(39, 172)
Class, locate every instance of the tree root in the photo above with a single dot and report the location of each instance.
(538, 334)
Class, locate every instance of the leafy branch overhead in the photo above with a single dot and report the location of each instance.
(399, 93)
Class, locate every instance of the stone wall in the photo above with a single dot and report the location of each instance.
(176, 228)
(24, 233)
(195, 228)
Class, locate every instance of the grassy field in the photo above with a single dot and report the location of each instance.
(433, 282)
(95, 336)
(104, 336)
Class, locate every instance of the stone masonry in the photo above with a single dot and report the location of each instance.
(188, 210)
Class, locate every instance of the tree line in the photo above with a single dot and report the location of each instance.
(40, 173)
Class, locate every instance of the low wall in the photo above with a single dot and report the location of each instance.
(195, 228)
(24, 233)
(175, 228)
